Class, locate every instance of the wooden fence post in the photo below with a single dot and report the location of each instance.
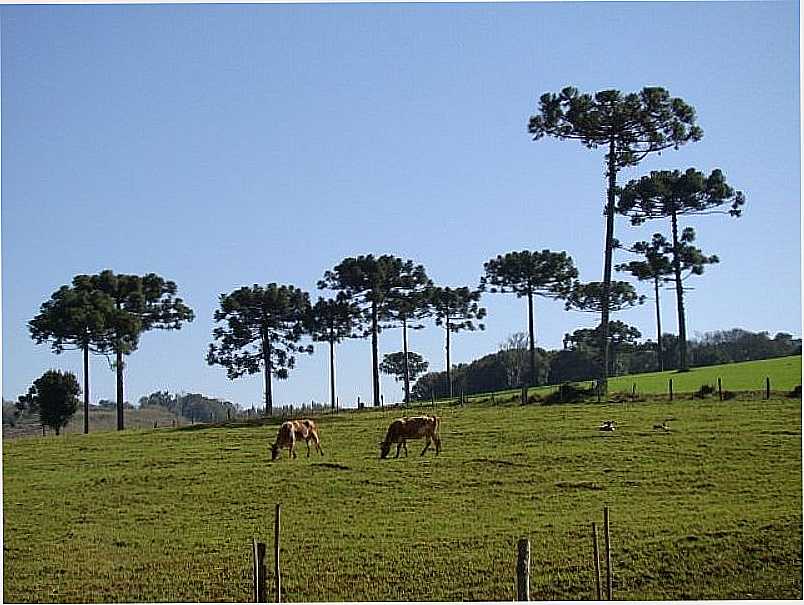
(671, 389)
(719, 388)
(767, 387)
(277, 573)
(523, 570)
(596, 553)
(608, 551)
(258, 550)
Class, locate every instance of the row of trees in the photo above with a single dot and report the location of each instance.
(261, 328)
(631, 127)
(581, 357)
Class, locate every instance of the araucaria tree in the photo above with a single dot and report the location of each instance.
(331, 320)
(406, 308)
(656, 267)
(455, 309)
(54, 396)
(630, 127)
(262, 328)
(589, 298)
(370, 283)
(76, 317)
(547, 274)
(670, 194)
(141, 303)
(404, 366)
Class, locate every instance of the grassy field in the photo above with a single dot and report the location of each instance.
(784, 372)
(710, 510)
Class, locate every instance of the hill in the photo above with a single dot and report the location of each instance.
(711, 509)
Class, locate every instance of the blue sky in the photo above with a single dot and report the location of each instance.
(226, 145)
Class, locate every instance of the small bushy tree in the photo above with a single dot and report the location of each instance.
(54, 397)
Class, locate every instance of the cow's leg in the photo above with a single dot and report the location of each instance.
(437, 440)
(426, 445)
(398, 447)
(292, 449)
(317, 442)
(307, 441)
(405, 445)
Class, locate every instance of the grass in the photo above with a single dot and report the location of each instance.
(710, 510)
(784, 372)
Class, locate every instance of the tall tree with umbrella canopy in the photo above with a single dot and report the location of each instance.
(671, 194)
(630, 127)
(528, 274)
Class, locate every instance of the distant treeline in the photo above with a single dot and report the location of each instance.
(580, 359)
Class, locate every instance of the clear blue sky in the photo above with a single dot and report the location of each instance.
(224, 145)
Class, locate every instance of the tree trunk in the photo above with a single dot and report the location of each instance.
(682, 325)
(658, 325)
(119, 372)
(449, 368)
(86, 389)
(532, 340)
(375, 362)
(604, 316)
(405, 352)
(267, 366)
(332, 372)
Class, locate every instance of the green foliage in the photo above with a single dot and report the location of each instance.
(709, 510)
(75, 317)
(657, 264)
(191, 405)
(457, 308)
(141, 303)
(665, 193)
(368, 281)
(261, 325)
(54, 397)
(589, 297)
(393, 364)
(524, 273)
(637, 123)
(333, 319)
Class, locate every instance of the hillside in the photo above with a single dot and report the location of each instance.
(709, 510)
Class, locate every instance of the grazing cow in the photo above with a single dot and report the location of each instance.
(417, 427)
(608, 425)
(292, 431)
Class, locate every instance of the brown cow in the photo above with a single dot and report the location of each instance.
(292, 431)
(416, 427)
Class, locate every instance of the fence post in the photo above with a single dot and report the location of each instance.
(608, 551)
(596, 553)
(277, 573)
(719, 388)
(258, 550)
(523, 570)
(767, 387)
(671, 389)
(493, 401)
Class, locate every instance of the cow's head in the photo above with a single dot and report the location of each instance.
(385, 448)
(274, 452)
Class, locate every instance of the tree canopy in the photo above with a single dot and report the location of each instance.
(548, 274)
(631, 126)
(54, 396)
(589, 297)
(372, 283)
(262, 328)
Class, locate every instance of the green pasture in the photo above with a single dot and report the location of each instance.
(784, 373)
(709, 510)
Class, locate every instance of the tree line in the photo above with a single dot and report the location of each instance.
(581, 356)
(264, 328)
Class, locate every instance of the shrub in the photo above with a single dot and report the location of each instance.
(569, 393)
(705, 391)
